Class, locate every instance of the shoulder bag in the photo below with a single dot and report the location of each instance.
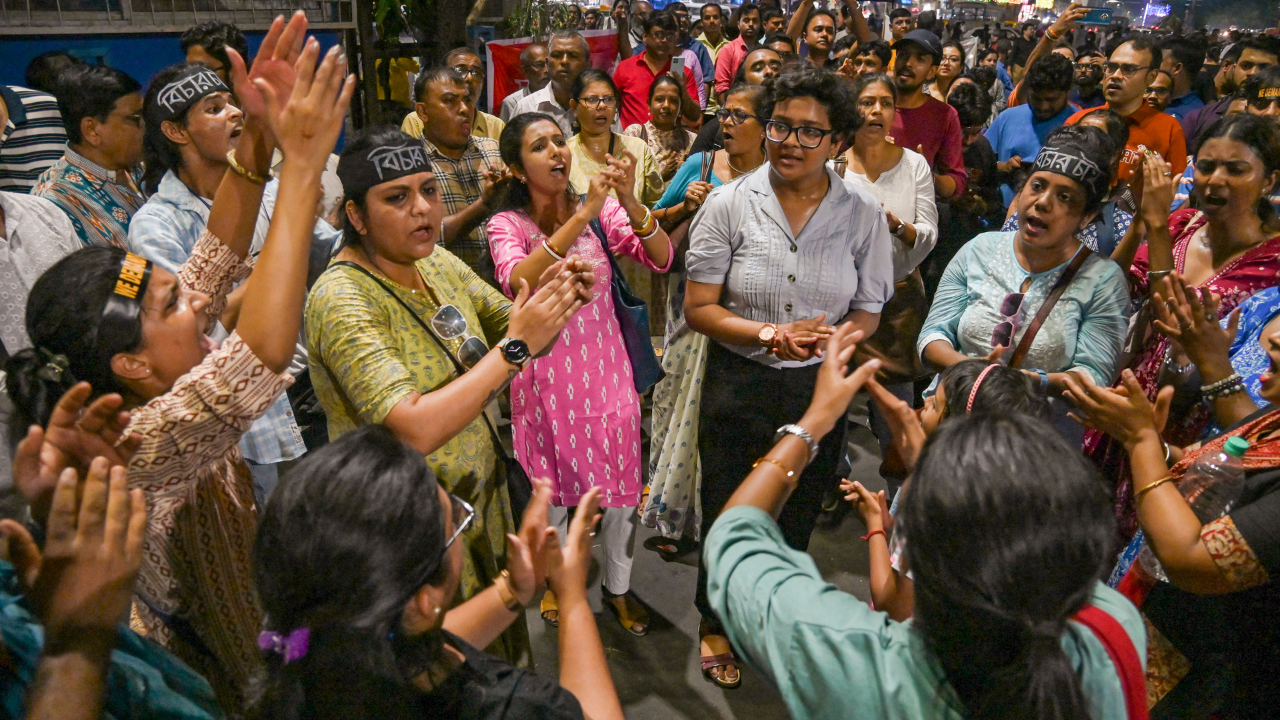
(517, 480)
(1024, 345)
(633, 318)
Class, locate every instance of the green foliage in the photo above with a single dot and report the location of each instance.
(393, 17)
(535, 18)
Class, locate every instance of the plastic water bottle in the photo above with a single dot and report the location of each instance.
(1211, 487)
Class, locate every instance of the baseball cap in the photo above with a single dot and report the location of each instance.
(924, 39)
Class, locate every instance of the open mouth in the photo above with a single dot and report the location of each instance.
(1034, 225)
(236, 131)
(558, 170)
(423, 233)
(1214, 201)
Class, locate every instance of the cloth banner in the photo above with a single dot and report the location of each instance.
(506, 76)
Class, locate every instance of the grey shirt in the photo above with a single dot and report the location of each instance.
(841, 261)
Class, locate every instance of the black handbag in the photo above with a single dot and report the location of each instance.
(512, 473)
(633, 318)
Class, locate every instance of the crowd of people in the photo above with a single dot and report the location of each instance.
(296, 434)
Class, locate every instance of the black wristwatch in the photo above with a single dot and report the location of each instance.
(515, 352)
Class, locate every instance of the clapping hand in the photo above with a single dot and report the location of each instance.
(1124, 413)
(273, 65)
(908, 433)
(1158, 187)
(307, 117)
(799, 340)
(567, 566)
(836, 386)
(1192, 322)
(527, 551)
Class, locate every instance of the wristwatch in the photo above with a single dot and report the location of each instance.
(515, 352)
(900, 230)
(793, 429)
(767, 334)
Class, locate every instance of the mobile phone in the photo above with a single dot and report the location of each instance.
(1096, 16)
(677, 66)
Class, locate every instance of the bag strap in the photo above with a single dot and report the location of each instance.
(708, 161)
(1059, 287)
(497, 443)
(1124, 656)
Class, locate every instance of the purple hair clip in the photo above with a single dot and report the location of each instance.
(292, 646)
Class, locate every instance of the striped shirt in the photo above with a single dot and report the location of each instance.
(99, 207)
(32, 140)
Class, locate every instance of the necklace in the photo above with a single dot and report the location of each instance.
(736, 172)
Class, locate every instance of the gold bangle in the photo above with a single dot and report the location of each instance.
(508, 598)
(546, 245)
(648, 217)
(243, 171)
(790, 473)
(1138, 495)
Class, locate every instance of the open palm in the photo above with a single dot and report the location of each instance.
(273, 65)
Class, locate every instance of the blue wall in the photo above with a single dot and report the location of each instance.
(140, 55)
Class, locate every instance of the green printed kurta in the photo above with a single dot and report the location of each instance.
(367, 354)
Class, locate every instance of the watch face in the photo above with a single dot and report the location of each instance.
(516, 351)
(767, 333)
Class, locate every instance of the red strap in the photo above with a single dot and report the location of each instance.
(1123, 654)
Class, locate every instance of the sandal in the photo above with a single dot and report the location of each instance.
(668, 549)
(716, 653)
(631, 614)
(644, 501)
(550, 609)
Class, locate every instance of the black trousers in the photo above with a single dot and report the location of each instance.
(743, 405)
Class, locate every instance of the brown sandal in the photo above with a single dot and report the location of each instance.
(631, 614)
(550, 609)
(711, 660)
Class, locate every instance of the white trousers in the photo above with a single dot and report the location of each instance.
(617, 533)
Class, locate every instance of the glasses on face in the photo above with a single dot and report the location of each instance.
(808, 137)
(737, 116)
(662, 37)
(463, 514)
(1126, 69)
(599, 101)
(449, 323)
(468, 72)
(1010, 311)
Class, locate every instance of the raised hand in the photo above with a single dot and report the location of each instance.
(274, 65)
(836, 386)
(527, 551)
(1158, 187)
(597, 193)
(1124, 413)
(625, 167)
(308, 118)
(567, 566)
(1068, 19)
(489, 187)
(1192, 322)
(537, 319)
(908, 434)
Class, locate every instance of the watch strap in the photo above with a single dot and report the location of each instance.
(793, 429)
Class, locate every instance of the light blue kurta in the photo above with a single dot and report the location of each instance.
(832, 656)
(1084, 332)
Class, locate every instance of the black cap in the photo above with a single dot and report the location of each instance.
(924, 39)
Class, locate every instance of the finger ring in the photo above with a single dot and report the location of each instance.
(1210, 317)
(1168, 174)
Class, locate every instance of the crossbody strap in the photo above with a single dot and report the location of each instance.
(708, 161)
(1059, 287)
(1123, 655)
(497, 443)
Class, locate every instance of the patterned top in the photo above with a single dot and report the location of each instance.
(1247, 354)
(459, 187)
(1084, 332)
(197, 579)
(165, 231)
(32, 140)
(649, 183)
(661, 144)
(841, 260)
(98, 205)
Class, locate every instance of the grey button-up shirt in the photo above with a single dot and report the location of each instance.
(841, 261)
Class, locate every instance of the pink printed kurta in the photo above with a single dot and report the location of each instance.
(575, 414)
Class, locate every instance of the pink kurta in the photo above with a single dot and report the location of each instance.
(575, 414)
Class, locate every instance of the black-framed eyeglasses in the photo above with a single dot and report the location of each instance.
(449, 323)
(724, 115)
(596, 101)
(1126, 69)
(808, 137)
(463, 515)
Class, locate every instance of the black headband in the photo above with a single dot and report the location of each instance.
(1265, 93)
(361, 170)
(124, 304)
(178, 95)
(1070, 160)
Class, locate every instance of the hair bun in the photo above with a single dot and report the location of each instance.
(35, 379)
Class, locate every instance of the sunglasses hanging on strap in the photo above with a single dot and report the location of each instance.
(1024, 345)
(517, 480)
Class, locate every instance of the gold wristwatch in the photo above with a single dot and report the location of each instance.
(767, 334)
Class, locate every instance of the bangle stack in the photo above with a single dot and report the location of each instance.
(1225, 387)
(648, 228)
(546, 245)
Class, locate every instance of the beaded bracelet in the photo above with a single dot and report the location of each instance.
(1229, 385)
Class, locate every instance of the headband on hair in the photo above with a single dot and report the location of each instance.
(178, 95)
(1266, 93)
(362, 170)
(1069, 160)
(291, 647)
(973, 392)
(124, 304)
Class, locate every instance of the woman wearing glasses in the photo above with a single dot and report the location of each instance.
(992, 291)
(359, 559)
(675, 473)
(775, 260)
(575, 415)
(402, 333)
(594, 103)
(666, 137)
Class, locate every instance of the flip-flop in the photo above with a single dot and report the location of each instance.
(712, 660)
(631, 614)
(669, 549)
(550, 609)
(644, 501)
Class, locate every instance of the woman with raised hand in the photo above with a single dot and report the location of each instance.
(772, 258)
(1229, 246)
(575, 415)
(124, 326)
(1010, 618)
(403, 333)
(667, 139)
(595, 102)
(358, 562)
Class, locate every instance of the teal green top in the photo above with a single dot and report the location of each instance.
(831, 656)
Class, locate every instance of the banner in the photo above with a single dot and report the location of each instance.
(506, 76)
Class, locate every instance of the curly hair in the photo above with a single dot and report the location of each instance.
(833, 93)
(1051, 73)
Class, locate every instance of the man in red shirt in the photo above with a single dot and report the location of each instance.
(922, 123)
(1132, 67)
(635, 75)
(731, 55)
